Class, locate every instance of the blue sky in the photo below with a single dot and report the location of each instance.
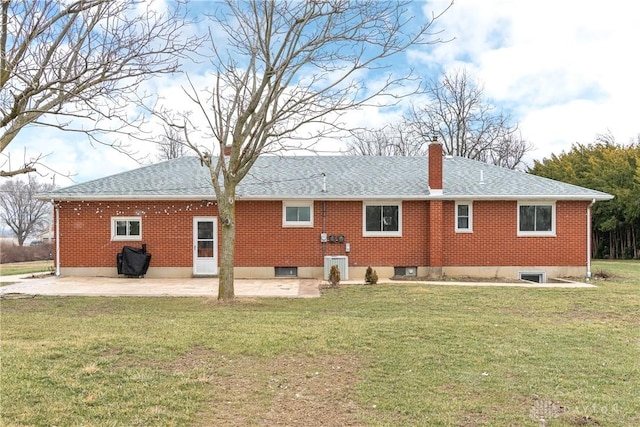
(566, 70)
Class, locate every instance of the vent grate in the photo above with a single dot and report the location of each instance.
(343, 265)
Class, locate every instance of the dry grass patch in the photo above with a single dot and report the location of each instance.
(284, 390)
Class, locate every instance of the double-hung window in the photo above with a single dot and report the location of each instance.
(536, 219)
(464, 217)
(297, 214)
(126, 228)
(382, 219)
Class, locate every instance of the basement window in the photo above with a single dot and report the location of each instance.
(286, 271)
(405, 271)
(532, 277)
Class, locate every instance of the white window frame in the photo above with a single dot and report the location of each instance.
(366, 233)
(128, 237)
(297, 204)
(545, 233)
(470, 228)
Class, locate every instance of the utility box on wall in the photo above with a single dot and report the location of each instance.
(341, 261)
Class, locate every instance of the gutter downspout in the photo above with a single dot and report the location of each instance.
(57, 214)
(589, 239)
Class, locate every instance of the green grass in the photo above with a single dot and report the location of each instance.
(398, 354)
(25, 267)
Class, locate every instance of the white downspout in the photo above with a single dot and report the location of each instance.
(57, 213)
(589, 239)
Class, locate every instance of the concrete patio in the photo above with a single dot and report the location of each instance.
(189, 287)
(33, 284)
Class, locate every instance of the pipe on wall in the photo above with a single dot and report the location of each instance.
(56, 210)
(589, 238)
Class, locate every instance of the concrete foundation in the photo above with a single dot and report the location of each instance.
(509, 272)
(355, 273)
(152, 272)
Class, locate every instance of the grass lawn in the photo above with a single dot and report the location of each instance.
(25, 267)
(380, 355)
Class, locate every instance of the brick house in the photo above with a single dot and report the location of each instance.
(295, 216)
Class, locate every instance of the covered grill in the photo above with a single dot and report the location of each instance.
(133, 262)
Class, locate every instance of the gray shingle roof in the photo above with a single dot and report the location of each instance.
(465, 178)
(345, 177)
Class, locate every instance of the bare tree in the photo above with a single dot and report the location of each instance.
(394, 139)
(171, 144)
(75, 65)
(21, 211)
(508, 152)
(288, 67)
(457, 112)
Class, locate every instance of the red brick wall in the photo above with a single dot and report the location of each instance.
(261, 241)
(494, 241)
(167, 229)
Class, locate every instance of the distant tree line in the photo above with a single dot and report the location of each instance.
(614, 169)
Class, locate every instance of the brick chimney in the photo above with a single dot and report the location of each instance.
(436, 213)
(435, 167)
(227, 150)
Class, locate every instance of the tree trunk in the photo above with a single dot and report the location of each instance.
(225, 278)
(227, 212)
(634, 240)
(612, 250)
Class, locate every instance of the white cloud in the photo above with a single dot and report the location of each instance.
(68, 155)
(566, 69)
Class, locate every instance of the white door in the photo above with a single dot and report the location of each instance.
(205, 246)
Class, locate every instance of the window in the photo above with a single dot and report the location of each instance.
(206, 239)
(536, 219)
(126, 228)
(286, 271)
(297, 214)
(405, 271)
(532, 277)
(464, 217)
(382, 219)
